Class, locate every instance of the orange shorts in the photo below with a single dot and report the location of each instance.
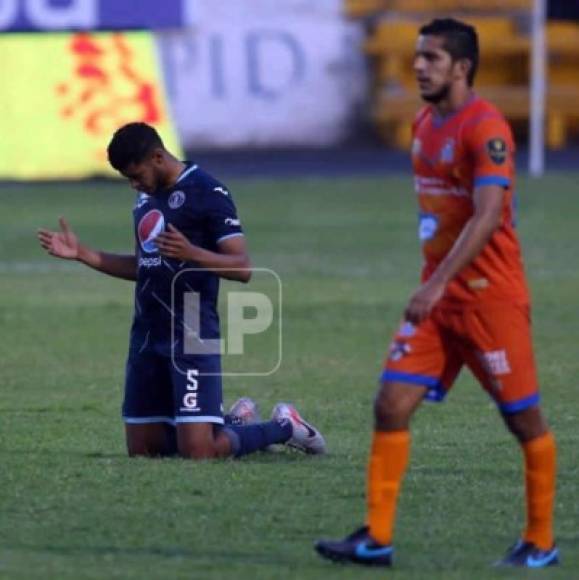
(493, 341)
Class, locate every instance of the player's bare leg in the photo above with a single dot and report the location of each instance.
(394, 406)
(527, 424)
(149, 440)
(212, 441)
(536, 548)
(208, 441)
(202, 441)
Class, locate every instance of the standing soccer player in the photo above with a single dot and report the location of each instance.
(472, 307)
(187, 236)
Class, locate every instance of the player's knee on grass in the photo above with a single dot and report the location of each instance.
(394, 405)
(197, 451)
(148, 440)
(201, 441)
(527, 424)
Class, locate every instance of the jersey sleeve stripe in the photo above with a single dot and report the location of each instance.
(492, 180)
(237, 234)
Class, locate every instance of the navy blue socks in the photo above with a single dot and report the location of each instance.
(246, 439)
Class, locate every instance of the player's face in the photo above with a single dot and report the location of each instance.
(146, 176)
(434, 68)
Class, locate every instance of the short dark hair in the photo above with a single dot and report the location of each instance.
(132, 143)
(460, 41)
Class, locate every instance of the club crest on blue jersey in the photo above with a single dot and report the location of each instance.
(176, 199)
(150, 226)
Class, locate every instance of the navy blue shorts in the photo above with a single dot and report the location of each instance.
(160, 390)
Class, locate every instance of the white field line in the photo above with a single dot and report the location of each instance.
(24, 267)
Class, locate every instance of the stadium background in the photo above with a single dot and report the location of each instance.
(304, 110)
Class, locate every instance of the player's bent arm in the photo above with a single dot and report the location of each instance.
(488, 202)
(65, 244)
(116, 265)
(231, 261)
(488, 208)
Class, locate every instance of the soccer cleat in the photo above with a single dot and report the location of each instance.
(358, 547)
(243, 412)
(305, 436)
(527, 555)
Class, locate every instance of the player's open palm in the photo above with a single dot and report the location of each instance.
(63, 244)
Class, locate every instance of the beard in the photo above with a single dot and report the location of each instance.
(440, 95)
(160, 181)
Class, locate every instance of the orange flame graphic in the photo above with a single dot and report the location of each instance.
(105, 89)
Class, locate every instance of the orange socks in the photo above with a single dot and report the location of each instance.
(388, 460)
(540, 472)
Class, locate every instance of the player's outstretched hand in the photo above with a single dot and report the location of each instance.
(63, 244)
(173, 244)
(423, 301)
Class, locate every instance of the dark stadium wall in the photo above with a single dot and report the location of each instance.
(563, 10)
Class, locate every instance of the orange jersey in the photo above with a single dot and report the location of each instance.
(452, 157)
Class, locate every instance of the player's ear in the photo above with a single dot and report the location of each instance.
(462, 68)
(158, 156)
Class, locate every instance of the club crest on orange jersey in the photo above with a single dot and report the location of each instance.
(447, 151)
(416, 146)
(497, 150)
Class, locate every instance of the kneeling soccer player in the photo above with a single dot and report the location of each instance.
(473, 306)
(187, 235)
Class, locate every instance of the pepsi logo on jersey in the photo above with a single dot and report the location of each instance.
(150, 226)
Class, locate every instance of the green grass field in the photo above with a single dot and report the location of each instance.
(72, 506)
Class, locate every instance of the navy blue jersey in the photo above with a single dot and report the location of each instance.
(202, 209)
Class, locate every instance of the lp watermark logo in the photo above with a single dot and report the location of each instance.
(248, 318)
